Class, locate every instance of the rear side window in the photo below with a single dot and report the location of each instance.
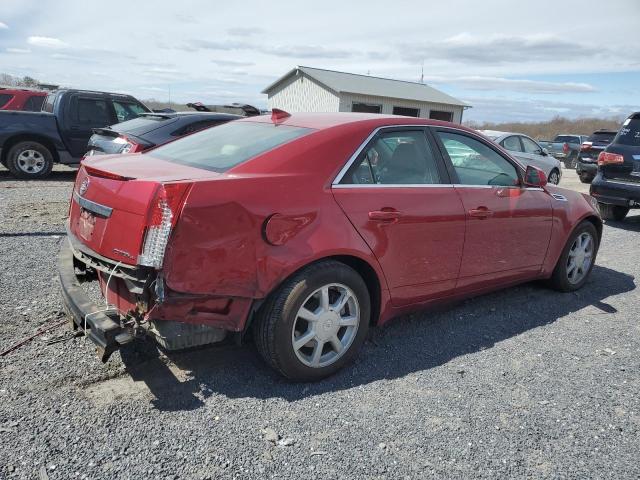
(4, 99)
(512, 144)
(221, 148)
(477, 164)
(395, 158)
(91, 112)
(629, 134)
(34, 103)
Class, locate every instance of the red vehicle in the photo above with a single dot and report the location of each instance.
(308, 228)
(21, 99)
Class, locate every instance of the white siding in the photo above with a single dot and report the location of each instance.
(302, 94)
(347, 100)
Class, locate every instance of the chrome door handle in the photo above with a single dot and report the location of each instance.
(480, 212)
(384, 215)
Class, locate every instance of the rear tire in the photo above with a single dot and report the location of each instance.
(586, 178)
(573, 162)
(572, 271)
(296, 311)
(29, 160)
(613, 212)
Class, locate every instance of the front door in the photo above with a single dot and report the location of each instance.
(508, 225)
(398, 196)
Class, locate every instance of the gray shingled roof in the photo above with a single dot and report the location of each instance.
(365, 85)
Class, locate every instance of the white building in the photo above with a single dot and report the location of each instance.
(306, 89)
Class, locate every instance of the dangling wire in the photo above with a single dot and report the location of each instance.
(106, 298)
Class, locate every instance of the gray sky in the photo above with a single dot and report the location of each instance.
(510, 60)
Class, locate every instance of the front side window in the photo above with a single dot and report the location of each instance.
(221, 148)
(512, 144)
(530, 146)
(476, 163)
(127, 110)
(395, 158)
(34, 103)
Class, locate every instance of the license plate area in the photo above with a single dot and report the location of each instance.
(86, 224)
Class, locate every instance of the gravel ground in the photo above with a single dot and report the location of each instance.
(521, 383)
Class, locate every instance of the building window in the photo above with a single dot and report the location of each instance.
(366, 108)
(439, 115)
(406, 111)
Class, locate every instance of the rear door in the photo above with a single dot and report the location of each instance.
(398, 196)
(508, 226)
(627, 144)
(84, 113)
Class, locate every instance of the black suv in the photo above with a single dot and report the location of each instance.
(587, 164)
(617, 183)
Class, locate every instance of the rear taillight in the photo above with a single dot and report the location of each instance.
(606, 158)
(585, 146)
(565, 148)
(162, 216)
(128, 145)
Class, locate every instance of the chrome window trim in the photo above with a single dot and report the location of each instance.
(336, 181)
(93, 207)
(352, 158)
(392, 185)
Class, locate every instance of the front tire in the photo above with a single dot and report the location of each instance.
(29, 160)
(577, 259)
(315, 323)
(613, 212)
(554, 177)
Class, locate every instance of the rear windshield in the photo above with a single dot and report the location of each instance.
(567, 139)
(4, 98)
(221, 148)
(141, 125)
(604, 137)
(629, 134)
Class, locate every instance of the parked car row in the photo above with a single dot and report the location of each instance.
(565, 147)
(38, 129)
(616, 185)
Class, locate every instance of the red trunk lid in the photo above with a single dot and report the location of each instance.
(112, 198)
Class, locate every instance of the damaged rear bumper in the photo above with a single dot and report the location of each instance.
(102, 324)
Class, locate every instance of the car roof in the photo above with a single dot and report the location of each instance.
(321, 121)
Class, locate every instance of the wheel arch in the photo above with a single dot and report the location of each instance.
(29, 137)
(596, 221)
(364, 268)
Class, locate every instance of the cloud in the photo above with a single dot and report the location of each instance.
(47, 42)
(233, 63)
(498, 49)
(3, 26)
(288, 51)
(17, 50)
(244, 31)
(513, 85)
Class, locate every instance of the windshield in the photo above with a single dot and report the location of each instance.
(221, 148)
(567, 139)
(629, 134)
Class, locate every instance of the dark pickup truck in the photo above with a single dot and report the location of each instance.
(565, 148)
(31, 142)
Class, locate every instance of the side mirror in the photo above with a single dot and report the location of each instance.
(534, 177)
(545, 152)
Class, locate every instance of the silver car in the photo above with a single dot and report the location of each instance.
(528, 152)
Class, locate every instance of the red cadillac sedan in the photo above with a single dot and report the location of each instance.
(308, 229)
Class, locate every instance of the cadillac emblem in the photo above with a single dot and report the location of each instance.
(84, 186)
